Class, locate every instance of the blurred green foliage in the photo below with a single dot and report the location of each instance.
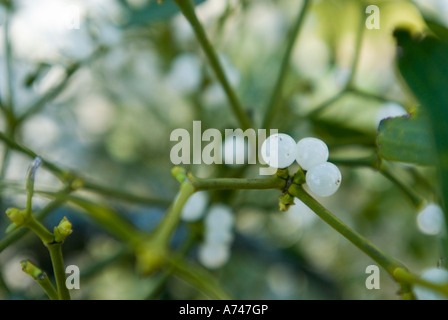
(111, 122)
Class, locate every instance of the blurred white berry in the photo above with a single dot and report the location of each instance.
(430, 219)
(324, 179)
(311, 152)
(195, 206)
(437, 276)
(219, 217)
(390, 110)
(218, 235)
(279, 150)
(185, 73)
(213, 256)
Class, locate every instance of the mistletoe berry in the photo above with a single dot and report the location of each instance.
(279, 150)
(311, 152)
(324, 179)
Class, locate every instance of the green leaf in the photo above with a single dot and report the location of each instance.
(154, 11)
(423, 63)
(406, 139)
(438, 29)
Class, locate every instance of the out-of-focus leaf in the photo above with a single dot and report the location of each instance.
(154, 11)
(423, 63)
(406, 139)
(335, 134)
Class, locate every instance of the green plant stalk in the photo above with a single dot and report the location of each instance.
(405, 276)
(123, 195)
(41, 279)
(172, 218)
(198, 278)
(69, 177)
(48, 287)
(110, 220)
(273, 182)
(60, 198)
(415, 199)
(57, 260)
(58, 172)
(388, 263)
(3, 284)
(274, 102)
(39, 229)
(51, 94)
(373, 163)
(188, 10)
(316, 111)
(8, 60)
(358, 43)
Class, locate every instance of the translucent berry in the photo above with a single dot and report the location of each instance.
(436, 276)
(219, 236)
(324, 179)
(430, 219)
(195, 206)
(279, 150)
(311, 152)
(213, 255)
(219, 217)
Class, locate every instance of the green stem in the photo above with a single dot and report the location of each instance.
(358, 42)
(324, 105)
(60, 198)
(59, 269)
(274, 102)
(172, 218)
(3, 284)
(188, 10)
(369, 161)
(61, 174)
(388, 263)
(41, 278)
(40, 230)
(370, 95)
(8, 60)
(123, 195)
(405, 276)
(199, 278)
(51, 94)
(416, 200)
(110, 220)
(273, 182)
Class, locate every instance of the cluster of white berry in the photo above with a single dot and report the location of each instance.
(214, 252)
(281, 150)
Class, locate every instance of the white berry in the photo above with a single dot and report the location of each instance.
(324, 179)
(219, 236)
(195, 206)
(219, 217)
(311, 152)
(430, 219)
(213, 255)
(436, 276)
(279, 150)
